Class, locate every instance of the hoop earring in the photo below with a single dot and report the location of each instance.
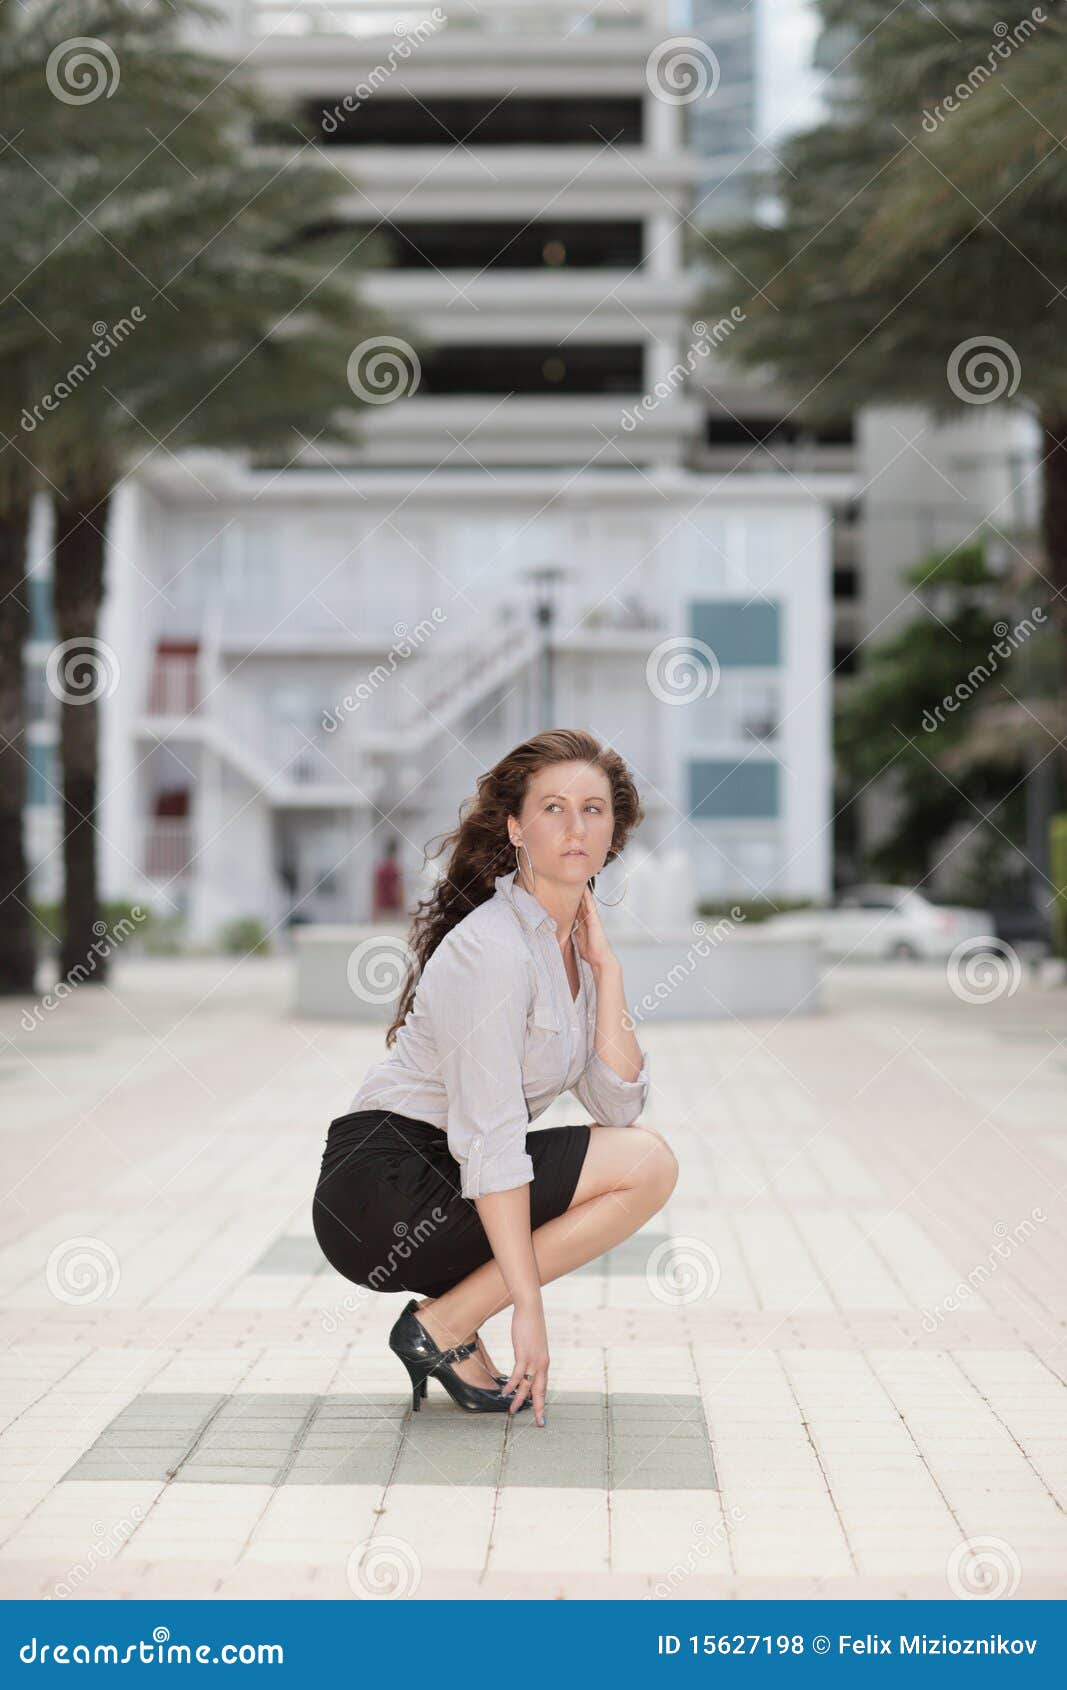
(521, 846)
(610, 903)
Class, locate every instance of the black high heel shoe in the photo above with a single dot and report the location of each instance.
(501, 1378)
(410, 1341)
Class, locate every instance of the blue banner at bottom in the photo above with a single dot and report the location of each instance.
(737, 1643)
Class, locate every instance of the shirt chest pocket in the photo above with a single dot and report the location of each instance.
(544, 1058)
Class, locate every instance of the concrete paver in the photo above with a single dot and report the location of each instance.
(834, 1365)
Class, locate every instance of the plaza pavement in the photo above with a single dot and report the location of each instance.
(833, 1366)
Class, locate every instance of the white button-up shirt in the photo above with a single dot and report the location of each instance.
(493, 1037)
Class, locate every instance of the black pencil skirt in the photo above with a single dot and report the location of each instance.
(388, 1213)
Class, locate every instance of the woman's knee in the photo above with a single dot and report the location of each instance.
(621, 1157)
(657, 1160)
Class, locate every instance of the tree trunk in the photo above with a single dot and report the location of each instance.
(18, 953)
(1054, 534)
(88, 672)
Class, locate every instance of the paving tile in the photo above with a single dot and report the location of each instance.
(805, 1390)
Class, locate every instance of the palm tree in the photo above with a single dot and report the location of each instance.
(908, 230)
(232, 336)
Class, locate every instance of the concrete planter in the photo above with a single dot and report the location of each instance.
(354, 974)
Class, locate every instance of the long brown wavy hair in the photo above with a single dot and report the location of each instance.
(480, 847)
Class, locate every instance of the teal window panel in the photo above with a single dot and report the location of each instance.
(42, 623)
(730, 791)
(41, 770)
(741, 635)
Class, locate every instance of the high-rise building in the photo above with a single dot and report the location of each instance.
(322, 654)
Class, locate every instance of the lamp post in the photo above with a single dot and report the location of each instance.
(544, 579)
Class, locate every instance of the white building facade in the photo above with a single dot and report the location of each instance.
(318, 658)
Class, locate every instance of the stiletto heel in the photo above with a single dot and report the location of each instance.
(410, 1341)
(418, 1383)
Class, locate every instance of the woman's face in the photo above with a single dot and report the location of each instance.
(566, 823)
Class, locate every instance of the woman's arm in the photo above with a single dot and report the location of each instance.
(505, 1216)
(615, 1042)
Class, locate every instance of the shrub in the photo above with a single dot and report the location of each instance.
(244, 937)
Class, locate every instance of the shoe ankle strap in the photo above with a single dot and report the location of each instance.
(458, 1351)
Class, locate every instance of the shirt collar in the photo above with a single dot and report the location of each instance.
(530, 909)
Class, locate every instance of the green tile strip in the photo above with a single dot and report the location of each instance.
(296, 1254)
(627, 1441)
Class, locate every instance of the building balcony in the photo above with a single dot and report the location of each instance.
(514, 430)
(169, 848)
(499, 305)
(468, 181)
(570, 23)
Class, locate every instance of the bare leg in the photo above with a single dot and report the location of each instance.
(628, 1174)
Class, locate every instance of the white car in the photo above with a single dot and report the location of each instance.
(886, 921)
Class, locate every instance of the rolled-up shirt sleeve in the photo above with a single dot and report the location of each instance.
(611, 1101)
(478, 996)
